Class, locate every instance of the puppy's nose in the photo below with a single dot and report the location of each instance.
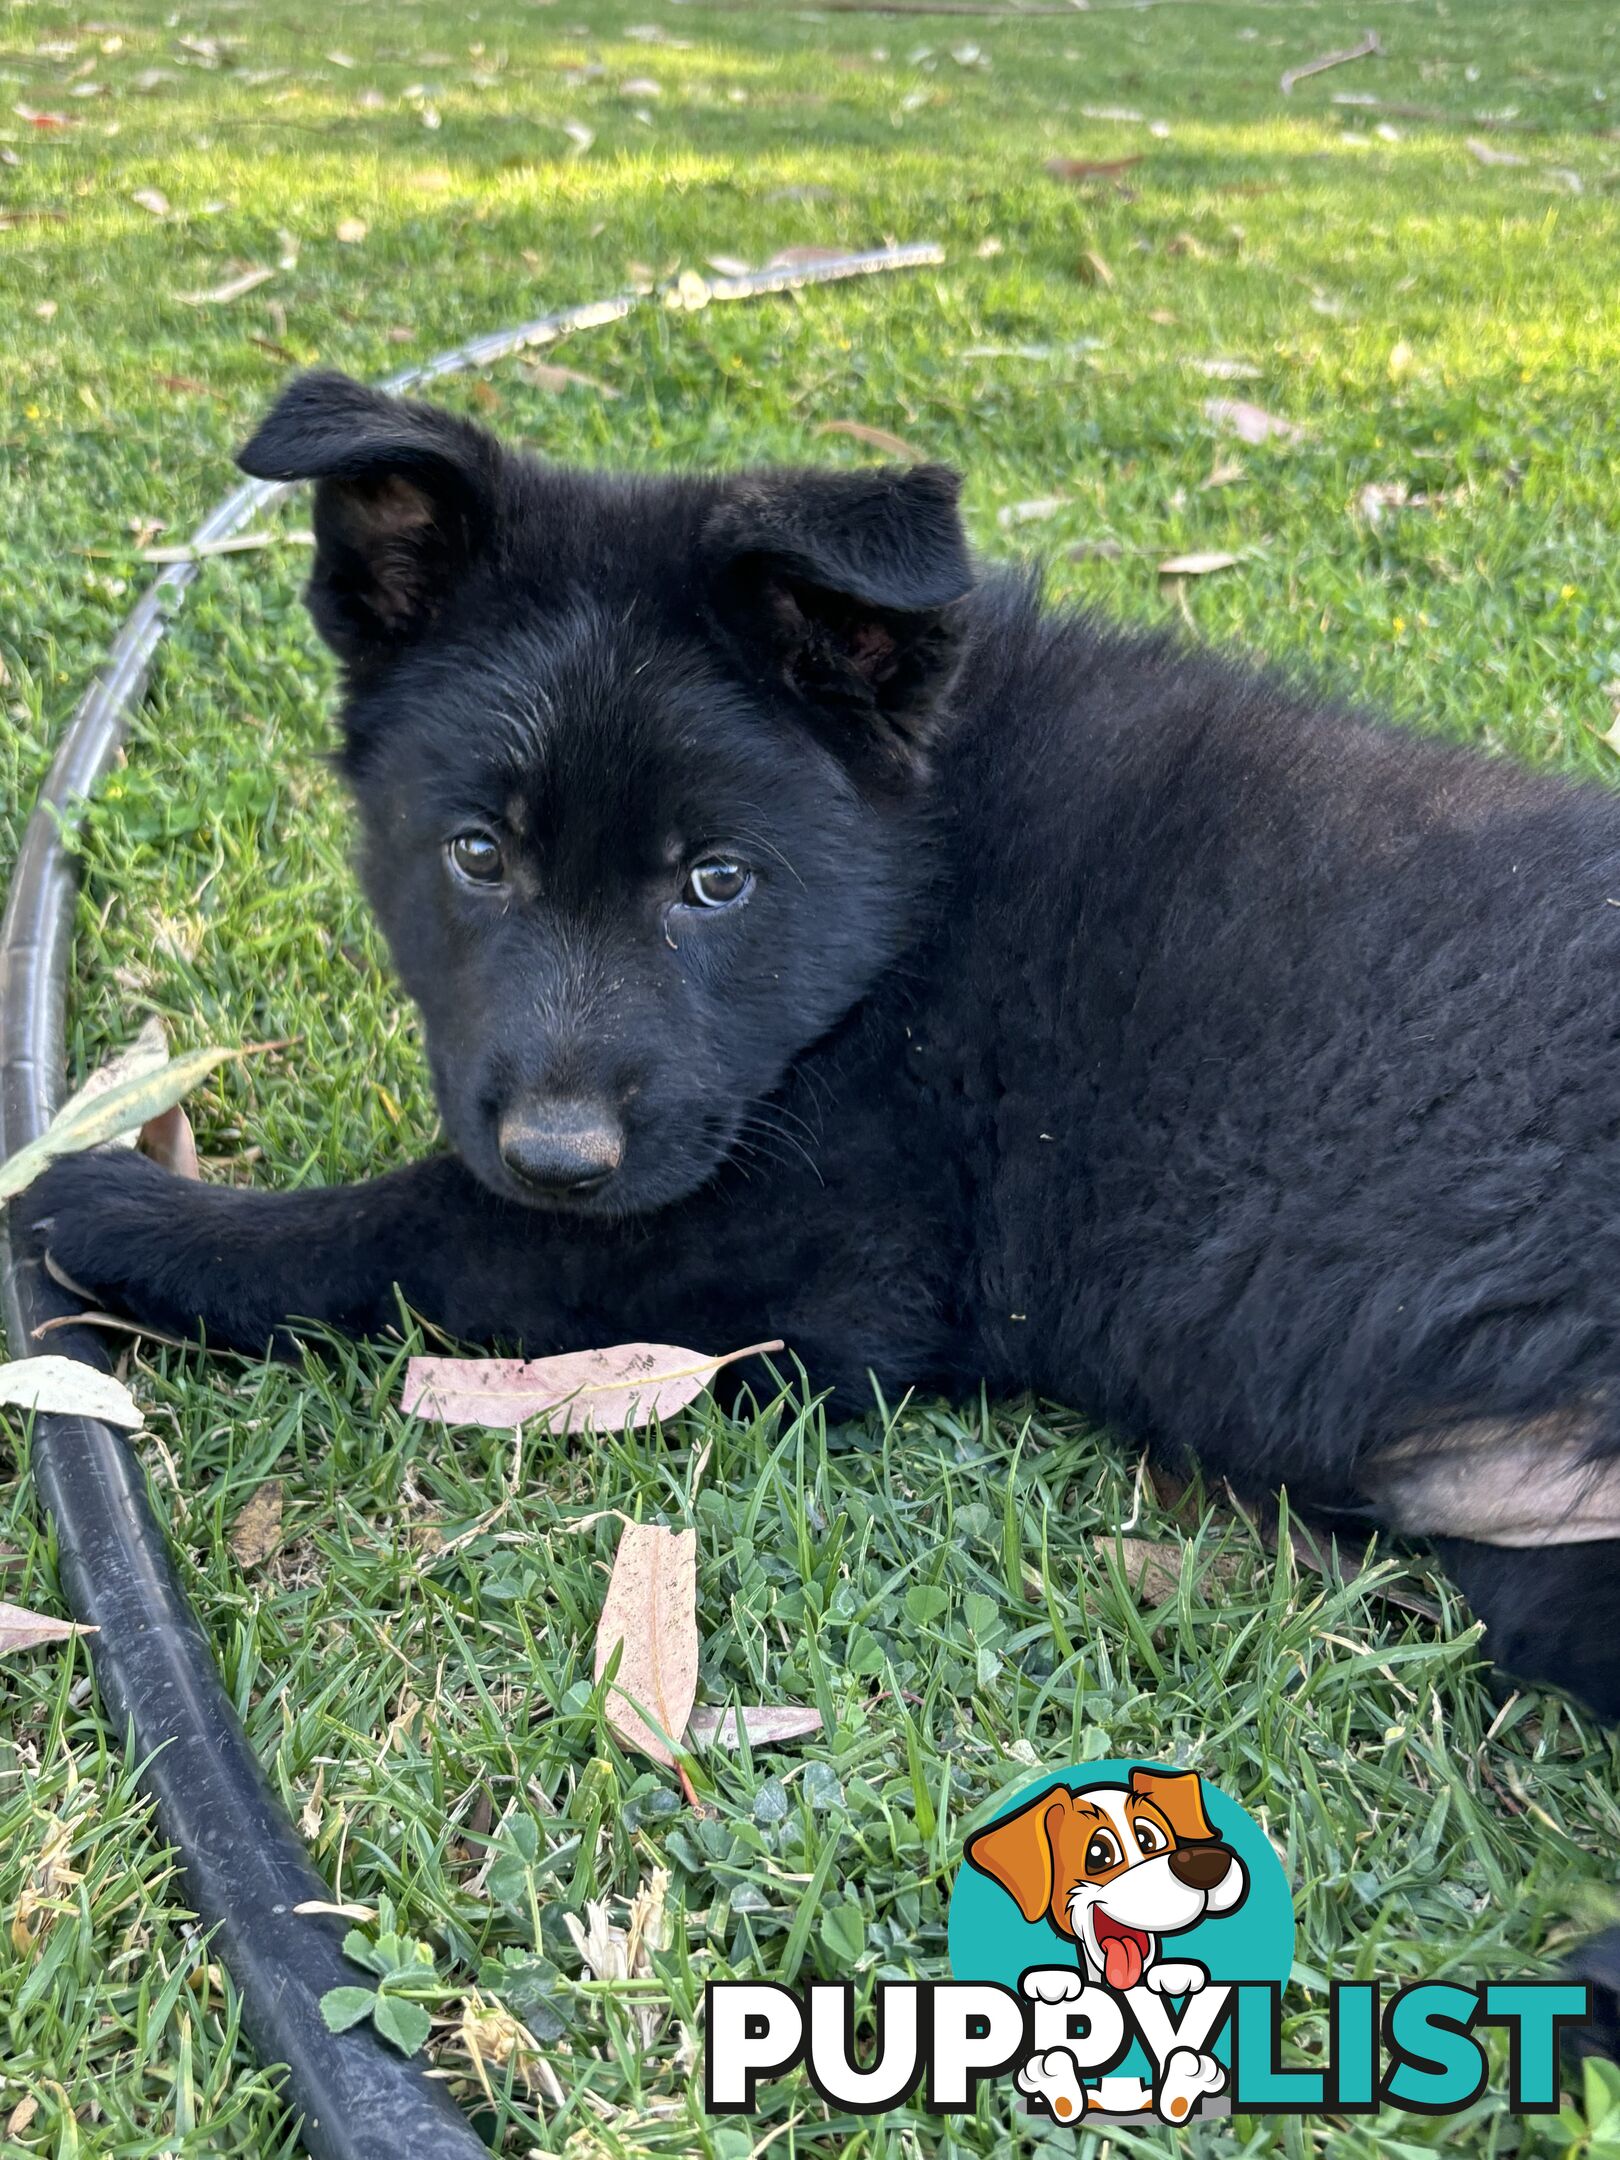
(562, 1147)
(1200, 1867)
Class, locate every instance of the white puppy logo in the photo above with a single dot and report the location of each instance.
(1114, 1869)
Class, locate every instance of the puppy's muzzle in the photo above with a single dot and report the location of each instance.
(1200, 1867)
(563, 1148)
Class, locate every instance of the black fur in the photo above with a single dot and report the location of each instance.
(1103, 1019)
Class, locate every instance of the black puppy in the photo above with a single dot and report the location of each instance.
(816, 937)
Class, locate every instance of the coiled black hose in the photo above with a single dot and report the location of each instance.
(246, 1869)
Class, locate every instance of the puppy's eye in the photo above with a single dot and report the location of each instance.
(1101, 1853)
(1150, 1837)
(716, 882)
(476, 858)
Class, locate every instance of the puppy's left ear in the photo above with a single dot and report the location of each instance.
(405, 502)
(1179, 1797)
(845, 588)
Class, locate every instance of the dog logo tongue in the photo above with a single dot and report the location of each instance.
(1122, 1961)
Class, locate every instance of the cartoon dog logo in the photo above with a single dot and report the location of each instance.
(1114, 1870)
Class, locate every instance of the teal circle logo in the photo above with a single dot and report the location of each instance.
(1129, 1880)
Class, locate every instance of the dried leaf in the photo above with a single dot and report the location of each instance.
(232, 289)
(766, 1725)
(1227, 370)
(70, 1389)
(148, 1053)
(803, 258)
(352, 230)
(21, 2115)
(23, 1630)
(256, 1532)
(546, 375)
(1380, 496)
(1090, 168)
(1488, 154)
(1223, 472)
(1364, 51)
(124, 1107)
(1251, 422)
(1153, 1570)
(1199, 564)
(1030, 513)
(651, 1609)
(875, 438)
(629, 1384)
(1094, 269)
(168, 1139)
(152, 199)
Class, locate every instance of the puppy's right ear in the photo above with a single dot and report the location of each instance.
(405, 502)
(1017, 1851)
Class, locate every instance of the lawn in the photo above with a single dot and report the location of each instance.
(1425, 287)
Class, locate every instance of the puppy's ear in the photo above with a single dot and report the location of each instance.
(405, 501)
(1179, 1797)
(1017, 1851)
(845, 587)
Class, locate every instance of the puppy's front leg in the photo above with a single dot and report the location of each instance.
(245, 1265)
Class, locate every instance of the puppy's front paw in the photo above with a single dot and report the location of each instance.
(113, 1224)
(1053, 1983)
(1176, 1978)
(1188, 2078)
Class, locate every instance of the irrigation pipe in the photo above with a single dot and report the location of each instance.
(246, 1870)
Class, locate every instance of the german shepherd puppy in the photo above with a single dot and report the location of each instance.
(815, 935)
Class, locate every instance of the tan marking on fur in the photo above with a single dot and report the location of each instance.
(1499, 1481)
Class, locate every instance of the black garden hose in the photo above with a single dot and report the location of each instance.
(246, 1869)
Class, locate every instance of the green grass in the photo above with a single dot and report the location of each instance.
(940, 1582)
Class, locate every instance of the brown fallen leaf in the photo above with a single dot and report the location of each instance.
(1368, 47)
(233, 288)
(485, 396)
(1062, 168)
(1488, 154)
(629, 1384)
(546, 375)
(1093, 269)
(1153, 1570)
(24, 1630)
(875, 438)
(151, 199)
(1223, 472)
(1185, 244)
(21, 2115)
(185, 385)
(256, 1532)
(1201, 563)
(766, 1725)
(351, 231)
(651, 1610)
(168, 1139)
(1251, 423)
